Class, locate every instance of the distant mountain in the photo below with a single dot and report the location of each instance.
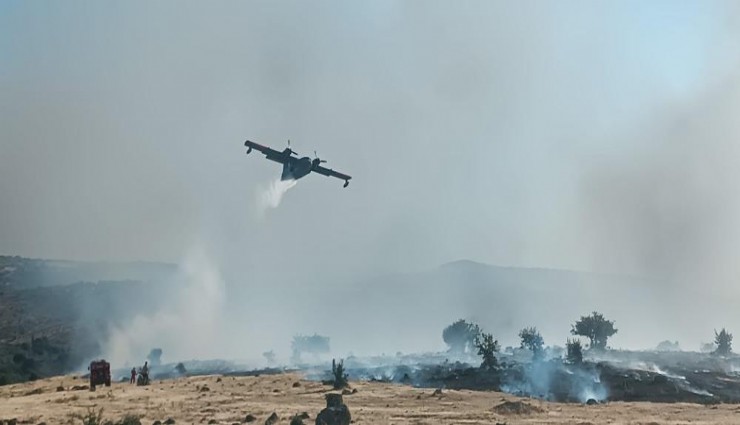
(24, 273)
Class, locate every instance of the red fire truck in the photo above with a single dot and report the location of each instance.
(99, 373)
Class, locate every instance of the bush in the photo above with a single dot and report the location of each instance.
(92, 418)
(574, 351)
(340, 377)
(129, 420)
(723, 339)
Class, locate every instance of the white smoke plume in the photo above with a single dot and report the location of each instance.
(187, 325)
(271, 196)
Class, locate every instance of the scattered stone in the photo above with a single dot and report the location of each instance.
(212, 421)
(169, 421)
(80, 388)
(204, 389)
(438, 391)
(157, 423)
(218, 380)
(250, 418)
(335, 413)
(304, 415)
(60, 388)
(272, 420)
(296, 420)
(591, 402)
(516, 408)
(296, 384)
(346, 392)
(354, 390)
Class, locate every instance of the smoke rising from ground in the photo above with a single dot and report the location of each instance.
(189, 324)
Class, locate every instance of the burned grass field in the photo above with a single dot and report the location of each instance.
(254, 399)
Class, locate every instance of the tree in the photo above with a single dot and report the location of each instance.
(596, 328)
(155, 357)
(314, 344)
(460, 336)
(574, 350)
(487, 347)
(533, 341)
(269, 356)
(668, 346)
(723, 339)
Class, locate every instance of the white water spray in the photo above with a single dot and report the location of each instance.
(271, 196)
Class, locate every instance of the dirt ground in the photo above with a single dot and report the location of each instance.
(229, 400)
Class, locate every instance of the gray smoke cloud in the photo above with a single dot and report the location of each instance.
(587, 136)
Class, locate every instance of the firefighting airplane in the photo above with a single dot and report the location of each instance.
(295, 168)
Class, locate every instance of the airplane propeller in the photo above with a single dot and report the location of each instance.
(291, 150)
(321, 161)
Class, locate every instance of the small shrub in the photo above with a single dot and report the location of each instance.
(574, 351)
(723, 340)
(92, 417)
(129, 420)
(340, 377)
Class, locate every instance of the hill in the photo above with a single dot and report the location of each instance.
(54, 313)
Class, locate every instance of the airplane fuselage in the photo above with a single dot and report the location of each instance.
(297, 168)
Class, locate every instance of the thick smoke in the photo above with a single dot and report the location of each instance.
(188, 324)
(492, 131)
(668, 208)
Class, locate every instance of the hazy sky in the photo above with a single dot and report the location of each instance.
(506, 132)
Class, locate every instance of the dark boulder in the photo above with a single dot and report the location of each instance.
(335, 413)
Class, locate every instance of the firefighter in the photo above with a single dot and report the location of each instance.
(133, 375)
(145, 372)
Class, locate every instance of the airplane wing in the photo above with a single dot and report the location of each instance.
(270, 153)
(331, 173)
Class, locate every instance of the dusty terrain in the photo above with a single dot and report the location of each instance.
(229, 400)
